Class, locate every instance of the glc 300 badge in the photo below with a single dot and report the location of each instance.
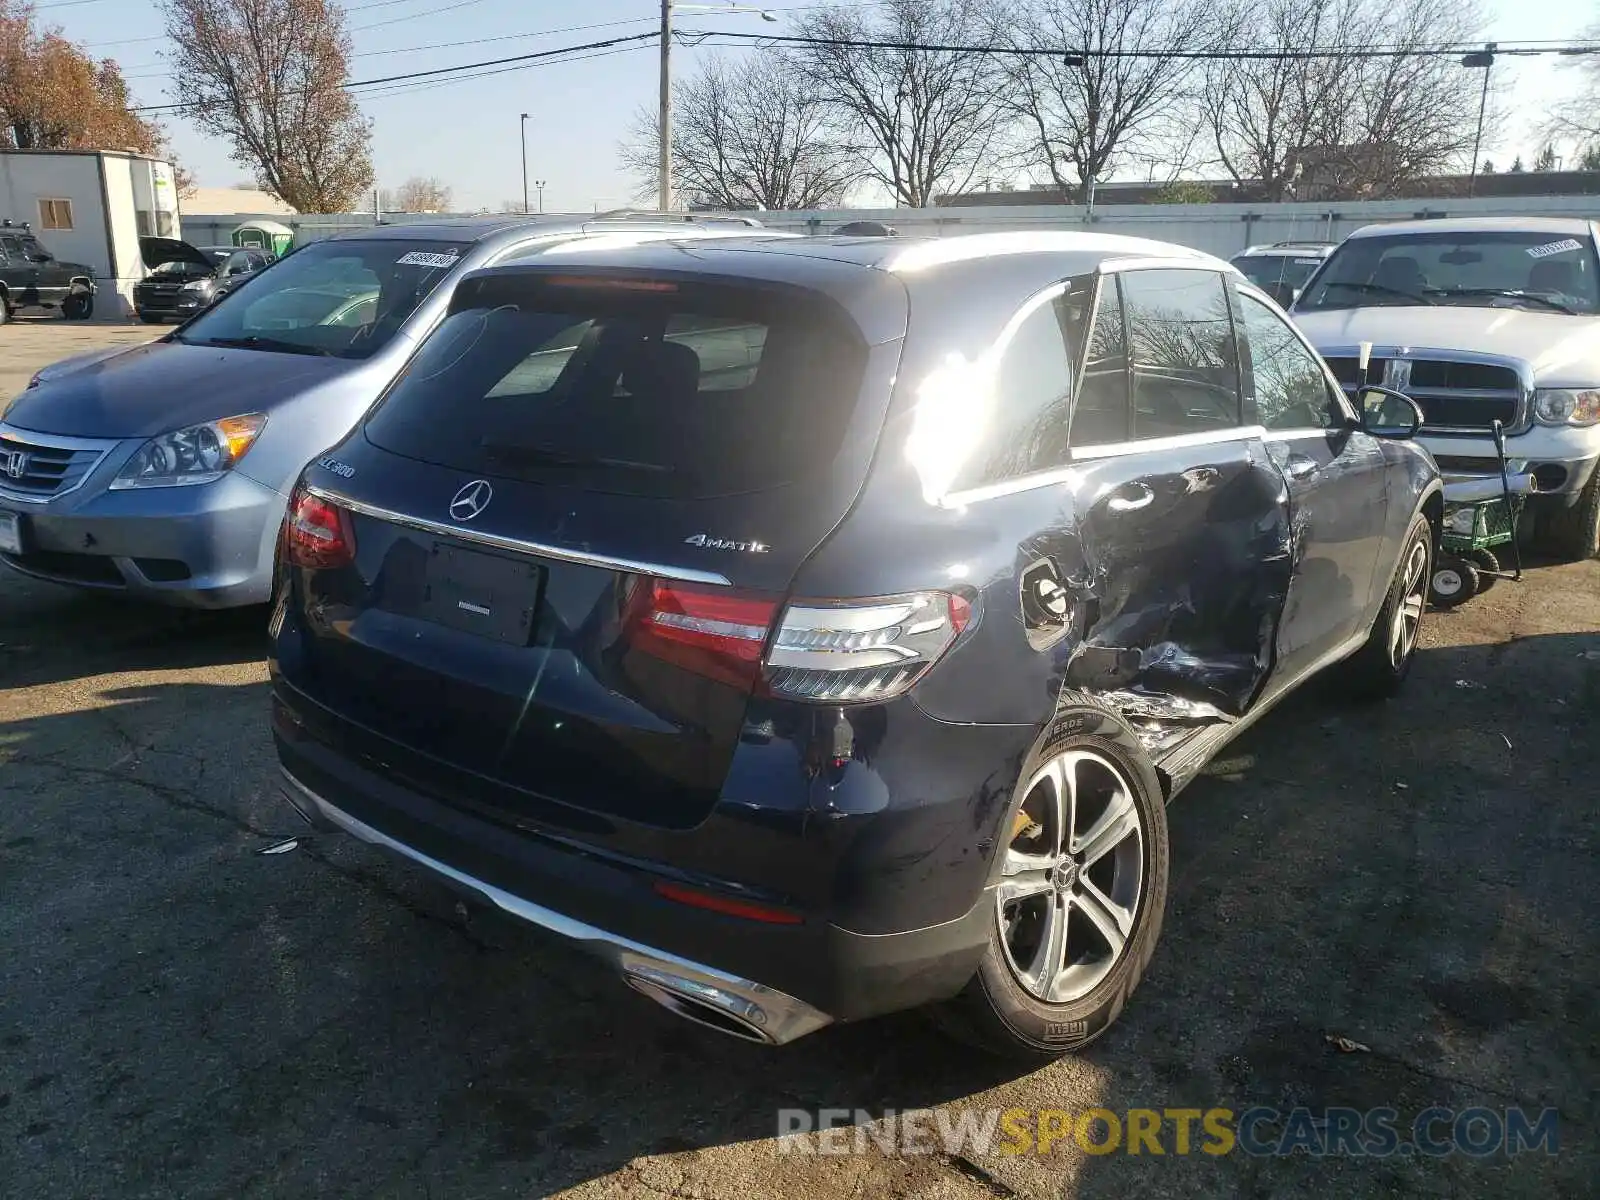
(707, 542)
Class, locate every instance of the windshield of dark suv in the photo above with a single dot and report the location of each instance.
(340, 298)
(1545, 272)
(1266, 270)
(640, 387)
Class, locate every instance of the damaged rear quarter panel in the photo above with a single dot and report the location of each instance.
(1168, 612)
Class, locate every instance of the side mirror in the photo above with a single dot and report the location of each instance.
(1282, 293)
(1386, 413)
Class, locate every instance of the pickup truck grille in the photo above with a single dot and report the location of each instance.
(1455, 396)
(41, 468)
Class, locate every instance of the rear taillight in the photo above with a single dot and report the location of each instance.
(829, 651)
(712, 631)
(855, 651)
(317, 535)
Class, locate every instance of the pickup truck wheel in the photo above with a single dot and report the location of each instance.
(79, 306)
(1573, 534)
(1379, 668)
(1081, 893)
(5, 310)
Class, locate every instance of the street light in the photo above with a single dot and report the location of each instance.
(524, 131)
(1479, 58)
(664, 164)
(539, 184)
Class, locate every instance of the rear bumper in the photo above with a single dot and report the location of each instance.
(782, 980)
(208, 546)
(770, 1015)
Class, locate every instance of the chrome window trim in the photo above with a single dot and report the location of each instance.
(55, 441)
(518, 545)
(1236, 433)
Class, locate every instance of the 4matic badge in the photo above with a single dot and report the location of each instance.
(706, 541)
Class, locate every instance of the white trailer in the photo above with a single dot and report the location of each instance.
(91, 207)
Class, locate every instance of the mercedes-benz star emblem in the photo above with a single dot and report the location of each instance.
(471, 500)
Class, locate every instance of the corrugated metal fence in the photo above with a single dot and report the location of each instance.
(1222, 229)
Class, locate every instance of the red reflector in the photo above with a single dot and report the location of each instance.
(960, 611)
(712, 631)
(727, 905)
(317, 534)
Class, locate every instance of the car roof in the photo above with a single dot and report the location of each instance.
(1288, 250)
(476, 229)
(896, 255)
(1571, 226)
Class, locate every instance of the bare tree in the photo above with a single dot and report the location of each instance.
(1576, 120)
(745, 135)
(417, 195)
(1341, 124)
(269, 75)
(1087, 113)
(923, 121)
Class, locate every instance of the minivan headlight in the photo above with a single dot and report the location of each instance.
(1566, 406)
(196, 454)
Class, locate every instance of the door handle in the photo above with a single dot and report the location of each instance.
(1300, 467)
(1131, 497)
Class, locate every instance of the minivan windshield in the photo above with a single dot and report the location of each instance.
(1545, 272)
(341, 298)
(639, 387)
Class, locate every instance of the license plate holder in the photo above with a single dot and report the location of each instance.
(10, 533)
(491, 595)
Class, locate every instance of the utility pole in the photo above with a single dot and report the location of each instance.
(664, 166)
(523, 129)
(1482, 58)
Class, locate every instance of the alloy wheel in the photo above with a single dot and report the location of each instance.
(1072, 878)
(1407, 619)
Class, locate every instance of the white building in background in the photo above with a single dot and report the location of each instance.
(234, 202)
(92, 206)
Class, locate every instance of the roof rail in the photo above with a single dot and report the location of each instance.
(647, 214)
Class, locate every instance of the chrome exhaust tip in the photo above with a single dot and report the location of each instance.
(701, 1003)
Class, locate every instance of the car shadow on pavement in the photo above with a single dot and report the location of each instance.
(197, 1018)
(50, 634)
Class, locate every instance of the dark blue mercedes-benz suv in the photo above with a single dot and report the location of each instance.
(815, 628)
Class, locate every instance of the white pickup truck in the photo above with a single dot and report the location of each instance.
(1480, 320)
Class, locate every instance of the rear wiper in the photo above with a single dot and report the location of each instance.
(253, 342)
(548, 456)
(1512, 293)
(1379, 288)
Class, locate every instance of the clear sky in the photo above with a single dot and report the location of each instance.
(466, 132)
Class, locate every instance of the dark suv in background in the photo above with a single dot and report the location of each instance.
(184, 279)
(815, 628)
(32, 277)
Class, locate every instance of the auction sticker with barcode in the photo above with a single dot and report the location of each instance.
(1549, 248)
(428, 258)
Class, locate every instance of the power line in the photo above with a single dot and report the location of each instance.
(436, 71)
(432, 12)
(1246, 55)
(505, 37)
(385, 93)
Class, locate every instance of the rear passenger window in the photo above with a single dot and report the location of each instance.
(1101, 416)
(1027, 427)
(1185, 361)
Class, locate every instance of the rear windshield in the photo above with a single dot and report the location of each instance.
(1265, 270)
(340, 298)
(637, 387)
